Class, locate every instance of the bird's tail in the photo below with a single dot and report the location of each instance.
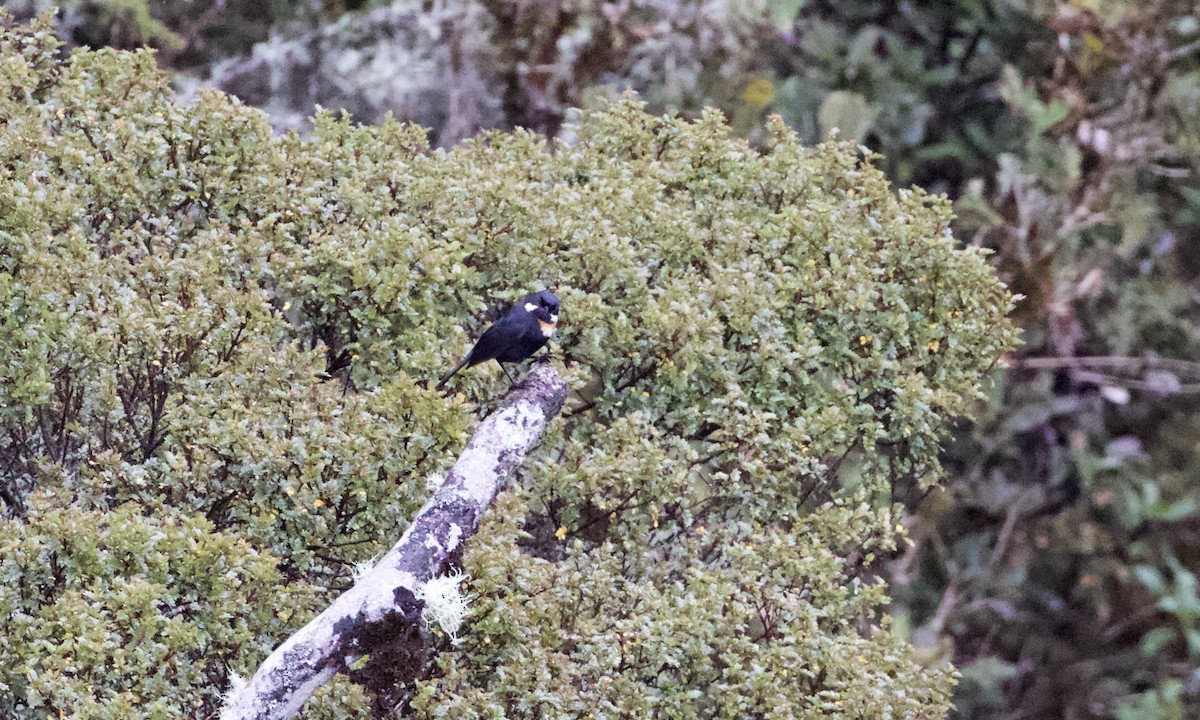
(450, 374)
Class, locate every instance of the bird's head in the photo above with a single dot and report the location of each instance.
(543, 306)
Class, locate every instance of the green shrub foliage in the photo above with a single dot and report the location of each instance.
(116, 614)
(206, 320)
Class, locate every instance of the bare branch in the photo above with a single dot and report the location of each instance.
(380, 615)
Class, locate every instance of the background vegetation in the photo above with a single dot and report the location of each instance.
(1057, 566)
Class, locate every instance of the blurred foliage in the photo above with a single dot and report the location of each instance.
(915, 80)
(187, 34)
(1062, 558)
(216, 351)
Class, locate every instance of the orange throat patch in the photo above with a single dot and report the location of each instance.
(547, 328)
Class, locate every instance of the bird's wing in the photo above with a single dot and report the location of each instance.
(491, 342)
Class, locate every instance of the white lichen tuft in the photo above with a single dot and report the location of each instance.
(434, 482)
(445, 605)
(236, 684)
(363, 567)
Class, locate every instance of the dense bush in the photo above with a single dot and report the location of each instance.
(764, 347)
(127, 613)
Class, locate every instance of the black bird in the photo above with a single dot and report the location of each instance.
(524, 330)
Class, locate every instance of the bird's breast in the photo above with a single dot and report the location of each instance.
(547, 328)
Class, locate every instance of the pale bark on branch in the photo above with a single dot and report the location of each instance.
(381, 615)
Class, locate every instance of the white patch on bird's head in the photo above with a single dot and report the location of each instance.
(530, 307)
(554, 319)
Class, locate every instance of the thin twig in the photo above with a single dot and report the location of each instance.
(1185, 367)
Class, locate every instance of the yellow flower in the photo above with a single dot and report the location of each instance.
(561, 532)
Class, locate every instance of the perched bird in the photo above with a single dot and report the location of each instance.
(524, 330)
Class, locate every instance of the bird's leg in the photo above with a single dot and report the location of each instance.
(511, 382)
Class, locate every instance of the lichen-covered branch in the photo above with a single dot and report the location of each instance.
(381, 612)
